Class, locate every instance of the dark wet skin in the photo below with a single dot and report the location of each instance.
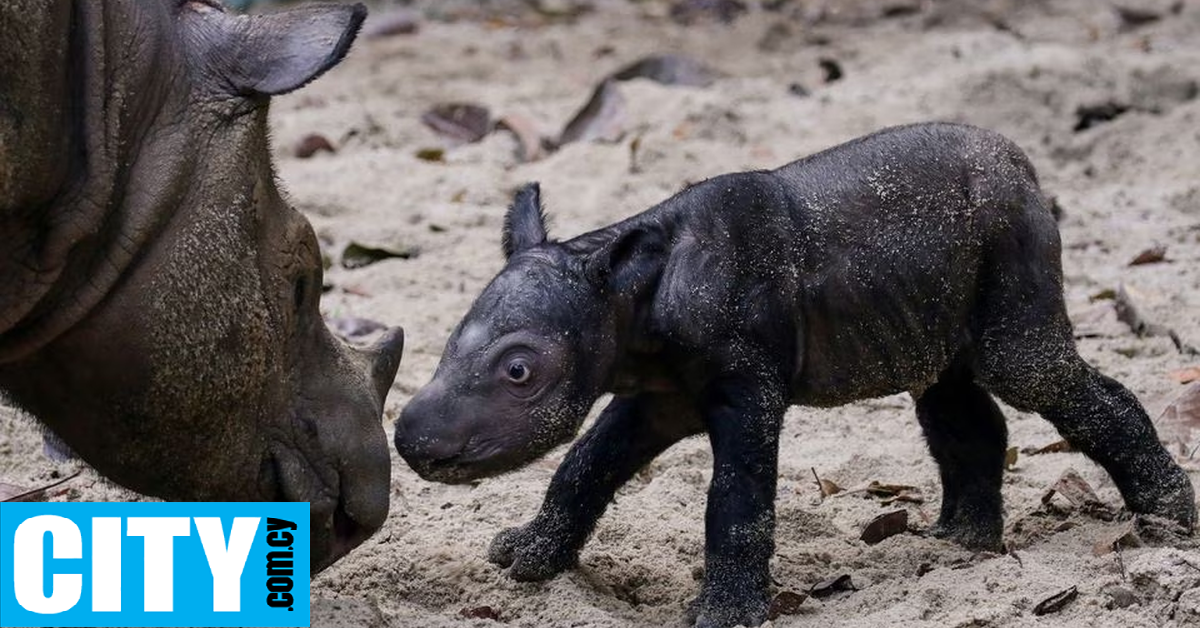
(158, 296)
(921, 259)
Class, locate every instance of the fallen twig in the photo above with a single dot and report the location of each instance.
(41, 489)
(1120, 559)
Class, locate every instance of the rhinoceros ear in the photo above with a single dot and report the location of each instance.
(268, 54)
(525, 222)
(630, 260)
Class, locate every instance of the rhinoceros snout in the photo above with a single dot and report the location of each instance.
(343, 400)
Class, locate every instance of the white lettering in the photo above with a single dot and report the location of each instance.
(65, 542)
(160, 533)
(106, 564)
(227, 563)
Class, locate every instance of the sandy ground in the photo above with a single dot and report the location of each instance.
(1125, 185)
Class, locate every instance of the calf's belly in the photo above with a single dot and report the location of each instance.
(890, 347)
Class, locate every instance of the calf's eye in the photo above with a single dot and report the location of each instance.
(519, 372)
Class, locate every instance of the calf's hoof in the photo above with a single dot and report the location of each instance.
(722, 611)
(975, 537)
(1171, 497)
(528, 555)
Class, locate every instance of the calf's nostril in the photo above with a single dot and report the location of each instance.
(420, 442)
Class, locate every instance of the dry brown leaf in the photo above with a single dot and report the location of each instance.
(1077, 491)
(826, 487)
(1185, 409)
(1187, 375)
(357, 255)
(904, 496)
(461, 123)
(1152, 255)
(312, 144)
(602, 119)
(826, 588)
(1182, 416)
(1056, 602)
(886, 493)
(357, 290)
(829, 488)
(1073, 487)
(886, 525)
(1057, 447)
(1121, 538)
(1132, 15)
(529, 140)
(480, 612)
(889, 490)
(431, 154)
(669, 69)
(1010, 458)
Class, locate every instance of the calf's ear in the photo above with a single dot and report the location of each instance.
(245, 55)
(628, 262)
(525, 222)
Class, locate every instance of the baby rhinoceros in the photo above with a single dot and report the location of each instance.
(921, 258)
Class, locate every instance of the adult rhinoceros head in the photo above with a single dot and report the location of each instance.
(158, 297)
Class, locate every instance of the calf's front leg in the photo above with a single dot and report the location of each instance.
(628, 434)
(743, 419)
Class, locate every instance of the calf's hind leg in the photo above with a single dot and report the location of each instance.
(1100, 418)
(1027, 358)
(966, 434)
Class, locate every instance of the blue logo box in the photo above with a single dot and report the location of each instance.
(154, 564)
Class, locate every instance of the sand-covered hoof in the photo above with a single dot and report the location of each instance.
(976, 537)
(1172, 497)
(709, 610)
(528, 555)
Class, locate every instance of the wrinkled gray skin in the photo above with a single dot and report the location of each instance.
(920, 259)
(158, 298)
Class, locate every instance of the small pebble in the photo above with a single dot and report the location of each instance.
(1120, 597)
